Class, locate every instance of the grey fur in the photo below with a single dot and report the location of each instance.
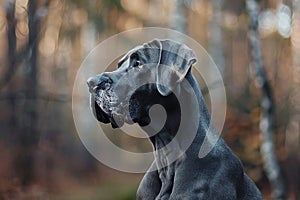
(220, 174)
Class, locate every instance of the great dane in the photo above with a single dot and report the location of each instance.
(156, 73)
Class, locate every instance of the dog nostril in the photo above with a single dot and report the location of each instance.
(101, 82)
(104, 85)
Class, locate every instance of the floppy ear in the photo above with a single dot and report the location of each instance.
(175, 62)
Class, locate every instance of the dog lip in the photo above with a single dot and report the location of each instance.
(94, 105)
(108, 103)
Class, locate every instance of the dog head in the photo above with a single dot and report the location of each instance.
(146, 75)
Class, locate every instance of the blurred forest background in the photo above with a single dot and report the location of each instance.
(43, 43)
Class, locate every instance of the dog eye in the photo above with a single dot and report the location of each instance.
(138, 64)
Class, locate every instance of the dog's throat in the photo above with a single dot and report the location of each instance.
(167, 150)
(164, 140)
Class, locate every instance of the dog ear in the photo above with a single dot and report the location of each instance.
(174, 63)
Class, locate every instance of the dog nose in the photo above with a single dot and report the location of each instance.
(103, 82)
(92, 82)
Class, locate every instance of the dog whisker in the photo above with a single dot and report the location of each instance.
(95, 88)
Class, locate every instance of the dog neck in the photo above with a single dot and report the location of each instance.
(180, 122)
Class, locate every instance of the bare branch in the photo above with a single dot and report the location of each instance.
(12, 41)
(23, 54)
(60, 98)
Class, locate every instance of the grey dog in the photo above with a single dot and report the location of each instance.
(157, 72)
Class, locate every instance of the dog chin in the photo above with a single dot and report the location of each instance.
(98, 113)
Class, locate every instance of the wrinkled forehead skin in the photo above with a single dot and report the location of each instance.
(130, 78)
(148, 53)
(165, 52)
(164, 62)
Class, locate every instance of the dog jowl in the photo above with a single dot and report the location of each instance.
(159, 72)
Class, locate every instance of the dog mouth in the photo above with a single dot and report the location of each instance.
(106, 100)
(106, 107)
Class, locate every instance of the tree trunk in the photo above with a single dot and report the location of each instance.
(11, 63)
(271, 165)
(215, 36)
(178, 18)
(292, 140)
(11, 38)
(29, 135)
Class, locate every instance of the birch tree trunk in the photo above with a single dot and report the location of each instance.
(295, 40)
(271, 165)
(178, 18)
(215, 36)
